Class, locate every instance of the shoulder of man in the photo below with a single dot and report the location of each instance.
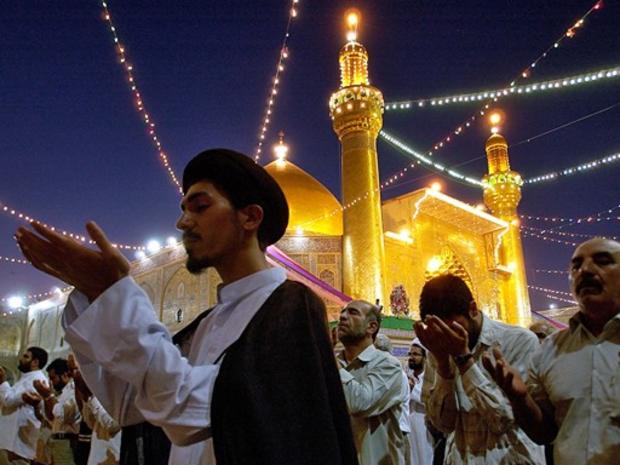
(290, 296)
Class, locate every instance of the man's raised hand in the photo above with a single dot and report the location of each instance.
(506, 377)
(88, 270)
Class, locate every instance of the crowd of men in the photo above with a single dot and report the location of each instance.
(54, 419)
(259, 381)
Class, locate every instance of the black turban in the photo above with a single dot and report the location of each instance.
(244, 183)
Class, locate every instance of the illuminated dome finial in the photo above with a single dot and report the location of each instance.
(496, 119)
(280, 150)
(352, 18)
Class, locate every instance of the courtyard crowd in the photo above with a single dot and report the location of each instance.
(259, 379)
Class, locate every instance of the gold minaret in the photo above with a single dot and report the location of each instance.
(502, 193)
(356, 109)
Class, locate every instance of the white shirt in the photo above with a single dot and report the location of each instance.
(372, 385)
(576, 377)
(105, 444)
(66, 413)
(472, 409)
(24, 425)
(127, 356)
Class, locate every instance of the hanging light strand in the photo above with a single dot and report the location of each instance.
(13, 260)
(525, 74)
(275, 83)
(145, 117)
(560, 272)
(78, 237)
(550, 291)
(587, 166)
(564, 233)
(38, 296)
(534, 88)
(423, 160)
(561, 299)
(545, 238)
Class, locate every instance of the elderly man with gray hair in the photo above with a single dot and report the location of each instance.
(372, 381)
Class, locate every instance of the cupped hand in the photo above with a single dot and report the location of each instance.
(31, 398)
(42, 388)
(89, 270)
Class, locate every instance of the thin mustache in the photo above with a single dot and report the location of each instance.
(187, 236)
(587, 283)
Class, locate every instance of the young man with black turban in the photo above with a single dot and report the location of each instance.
(260, 384)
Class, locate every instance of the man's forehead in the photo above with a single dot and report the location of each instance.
(358, 305)
(597, 245)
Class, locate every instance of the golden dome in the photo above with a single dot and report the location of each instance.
(496, 139)
(313, 208)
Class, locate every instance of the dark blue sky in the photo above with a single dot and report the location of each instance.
(73, 148)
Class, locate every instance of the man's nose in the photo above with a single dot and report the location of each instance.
(182, 222)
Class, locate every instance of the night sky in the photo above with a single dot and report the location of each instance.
(73, 147)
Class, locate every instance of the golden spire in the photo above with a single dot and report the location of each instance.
(502, 194)
(353, 56)
(356, 109)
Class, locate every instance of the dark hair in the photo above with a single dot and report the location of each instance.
(39, 354)
(60, 366)
(445, 296)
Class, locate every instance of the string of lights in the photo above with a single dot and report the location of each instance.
(568, 34)
(545, 86)
(587, 166)
(137, 96)
(14, 260)
(550, 291)
(18, 304)
(29, 219)
(427, 161)
(525, 74)
(562, 272)
(527, 233)
(271, 99)
(563, 233)
(594, 218)
(561, 299)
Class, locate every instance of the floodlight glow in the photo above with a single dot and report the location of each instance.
(140, 255)
(436, 186)
(171, 241)
(434, 264)
(15, 302)
(153, 246)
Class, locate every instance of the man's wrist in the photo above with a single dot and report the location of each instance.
(50, 396)
(463, 358)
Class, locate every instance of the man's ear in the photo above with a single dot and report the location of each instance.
(373, 325)
(35, 363)
(251, 217)
(473, 309)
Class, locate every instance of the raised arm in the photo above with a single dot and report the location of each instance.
(537, 422)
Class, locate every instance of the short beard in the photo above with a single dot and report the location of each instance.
(350, 339)
(416, 366)
(197, 265)
(23, 368)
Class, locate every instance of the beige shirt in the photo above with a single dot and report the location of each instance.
(576, 377)
(372, 385)
(66, 413)
(474, 412)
